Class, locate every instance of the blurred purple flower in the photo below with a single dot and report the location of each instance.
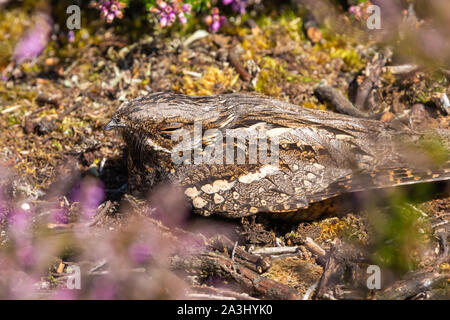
(237, 5)
(60, 216)
(355, 10)
(25, 254)
(35, 41)
(215, 20)
(71, 36)
(104, 289)
(139, 252)
(22, 285)
(168, 13)
(110, 9)
(20, 221)
(65, 294)
(3, 206)
(90, 194)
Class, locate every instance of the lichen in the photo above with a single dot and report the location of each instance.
(212, 81)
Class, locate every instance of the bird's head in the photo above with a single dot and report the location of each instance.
(154, 118)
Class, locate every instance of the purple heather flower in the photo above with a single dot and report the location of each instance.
(182, 18)
(236, 5)
(163, 20)
(20, 222)
(90, 194)
(139, 252)
(26, 254)
(60, 216)
(104, 288)
(92, 198)
(356, 11)
(215, 20)
(168, 12)
(110, 9)
(71, 36)
(64, 294)
(186, 7)
(35, 41)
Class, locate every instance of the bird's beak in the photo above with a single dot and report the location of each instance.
(112, 125)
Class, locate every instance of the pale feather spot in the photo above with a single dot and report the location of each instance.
(318, 166)
(343, 137)
(199, 202)
(253, 210)
(277, 132)
(262, 173)
(192, 192)
(218, 198)
(311, 176)
(223, 185)
(155, 146)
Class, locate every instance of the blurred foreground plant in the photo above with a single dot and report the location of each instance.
(42, 243)
(35, 41)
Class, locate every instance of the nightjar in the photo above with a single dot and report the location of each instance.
(240, 154)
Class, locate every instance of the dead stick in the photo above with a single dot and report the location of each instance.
(325, 93)
(372, 78)
(250, 260)
(405, 289)
(315, 249)
(220, 265)
(270, 251)
(234, 60)
(222, 292)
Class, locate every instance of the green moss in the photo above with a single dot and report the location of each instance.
(435, 148)
(13, 24)
(340, 46)
(422, 97)
(399, 236)
(272, 73)
(57, 145)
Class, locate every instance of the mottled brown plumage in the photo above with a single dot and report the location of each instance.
(321, 154)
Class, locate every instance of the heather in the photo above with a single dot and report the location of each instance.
(65, 200)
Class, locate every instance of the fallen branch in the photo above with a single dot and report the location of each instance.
(271, 251)
(418, 283)
(403, 69)
(218, 264)
(372, 79)
(234, 60)
(317, 250)
(207, 290)
(341, 258)
(250, 260)
(327, 94)
(100, 214)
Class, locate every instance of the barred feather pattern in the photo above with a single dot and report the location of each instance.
(321, 154)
